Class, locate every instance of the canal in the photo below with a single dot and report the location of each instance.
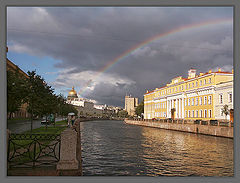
(114, 148)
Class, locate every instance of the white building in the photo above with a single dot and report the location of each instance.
(224, 96)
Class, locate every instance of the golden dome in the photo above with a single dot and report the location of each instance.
(72, 93)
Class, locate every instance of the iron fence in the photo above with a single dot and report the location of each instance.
(31, 150)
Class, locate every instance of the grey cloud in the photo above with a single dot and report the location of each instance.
(87, 39)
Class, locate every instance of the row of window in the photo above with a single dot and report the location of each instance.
(160, 114)
(230, 98)
(190, 114)
(198, 101)
(198, 114)
(187, 86)
(160, 105)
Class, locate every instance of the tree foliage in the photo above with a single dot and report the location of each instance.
(40, 97)
(140, 109)
(123, 114)
(225, 110)
(16, 91)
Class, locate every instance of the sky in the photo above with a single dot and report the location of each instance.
(108, 52)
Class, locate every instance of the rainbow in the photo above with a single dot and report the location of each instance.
(152, 39)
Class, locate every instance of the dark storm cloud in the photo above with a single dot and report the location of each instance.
(86, 39)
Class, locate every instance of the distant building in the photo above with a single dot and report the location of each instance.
(195, 97)
(84, 106)
(72, 94)
(130, 104)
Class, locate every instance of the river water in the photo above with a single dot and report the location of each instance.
(114, 148)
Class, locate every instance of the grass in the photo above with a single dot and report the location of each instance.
(57, 129)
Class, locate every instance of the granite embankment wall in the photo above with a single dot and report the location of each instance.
(219, 131)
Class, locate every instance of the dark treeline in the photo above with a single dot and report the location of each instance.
(36, 93)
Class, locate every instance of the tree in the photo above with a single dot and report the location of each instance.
(225, 110)
(16, 92)
(140, 109)
(40, 98)
(123, 114)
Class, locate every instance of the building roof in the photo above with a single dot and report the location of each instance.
(13, 67)
(186, 79)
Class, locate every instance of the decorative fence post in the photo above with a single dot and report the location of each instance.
(68, 163)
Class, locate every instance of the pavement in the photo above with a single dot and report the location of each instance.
(25, 125)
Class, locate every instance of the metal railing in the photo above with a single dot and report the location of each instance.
(184, 121)
(33, 150)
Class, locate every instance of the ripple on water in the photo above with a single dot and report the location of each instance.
(115, 148)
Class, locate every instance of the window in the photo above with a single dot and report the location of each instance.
(200, 100)
(196, 114)
(205, 100)
(220, 98)
(205, 113)
(210, 80)
(189, 86)
(209, 99)
(205, 81)
(193, 114)
(200, 83)
(189, 114)
(192, 84)
(221, 113)
(186, 86)
(189, 101)
(185, 114)
(179, 88)
(210, 113)
(192, 101)
(196, 101)
(182, 87)
(201, 114)
(196, 84)
(176, 88)
(185, 102)
(230, 97)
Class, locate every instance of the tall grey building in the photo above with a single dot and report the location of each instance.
(130, 104)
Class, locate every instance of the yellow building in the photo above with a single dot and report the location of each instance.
(188, 98)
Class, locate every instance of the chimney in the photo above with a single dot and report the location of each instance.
(192, 73)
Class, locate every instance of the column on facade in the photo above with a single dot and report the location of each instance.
(183, 108)
(167, 106)
(176, 106)
(179, 109)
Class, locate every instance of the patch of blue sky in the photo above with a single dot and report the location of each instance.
(44, 66)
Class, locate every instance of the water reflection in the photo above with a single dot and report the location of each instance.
(115, 148)
(183, 154)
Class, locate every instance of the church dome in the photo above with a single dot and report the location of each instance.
(72, 93)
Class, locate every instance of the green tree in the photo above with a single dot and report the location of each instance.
(140, 109)
(123, 114)
(225, 110)
(40, 98)
(16, 92)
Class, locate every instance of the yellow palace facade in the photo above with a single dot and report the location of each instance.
(189, 98)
